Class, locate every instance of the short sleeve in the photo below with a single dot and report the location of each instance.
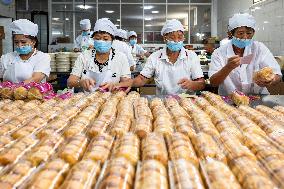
(130, 58)
(149, 68)
(196, 71)
(43, 64)
(125, 69)
(268, 60)
(77, 42)
(215, 65)
(78, 66)
(141, 50)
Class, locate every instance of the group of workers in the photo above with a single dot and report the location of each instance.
(106, 59)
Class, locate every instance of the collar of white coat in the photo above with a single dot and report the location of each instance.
(110, 58)
(182, 54)
(230, 50)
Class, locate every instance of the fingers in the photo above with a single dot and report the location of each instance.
(128, 89)
(103, 85)
(183, 86)
(236, 61)
(182, 81)
(107, 86)
(233, 57)
(92, 82)
(262, 83)
(87, 84)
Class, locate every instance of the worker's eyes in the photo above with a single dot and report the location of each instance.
(248, 33)
(22, 42)
(102, 38)
(176, 39)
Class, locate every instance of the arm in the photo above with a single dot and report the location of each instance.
(193, 85)
(196, 82)
(217, 78)
(77, 44)
(139, 81)
(124, 83)
(130, 58)
(36, 77)
(41, 69)
(145, 75)
(73, 81)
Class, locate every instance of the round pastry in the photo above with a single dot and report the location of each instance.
(7, 93)
(264, 74)
(20, 93)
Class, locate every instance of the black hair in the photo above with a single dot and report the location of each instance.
(34, 38)
(132, 36)
(103, 32)
(119, 38)
(234, 30)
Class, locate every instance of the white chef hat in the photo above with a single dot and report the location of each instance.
(171, 26)
(25, 27)
(104, 24)
(85, 24)
(121, 33)
(132, 33)
(239, 20)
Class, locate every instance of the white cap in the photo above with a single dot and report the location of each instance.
(239, 20)
(121, 33)
(131, 33)
(25, 27)
(104, 24)
(85, 24)
(171, 26)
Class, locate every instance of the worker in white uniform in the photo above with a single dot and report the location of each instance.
(136, 49)
(175, 69)
(84, 41)
(103, 67)
(120, 44)
(227, 70)
(26, 64)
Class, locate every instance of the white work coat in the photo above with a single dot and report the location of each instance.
(84, 42)
(137, 50)
(124, 48)
(112, 71)
(167, 75)
(14, 69)
(241, 78)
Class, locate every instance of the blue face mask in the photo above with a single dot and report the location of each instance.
(85, 33)
(24, 49)
(241, 43)
(174, 46)
(102, 46)
(132, 42)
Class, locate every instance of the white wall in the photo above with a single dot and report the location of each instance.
(7, 42)
(271, 12)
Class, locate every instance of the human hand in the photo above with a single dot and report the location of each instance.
(87, 84)
(233, 62)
